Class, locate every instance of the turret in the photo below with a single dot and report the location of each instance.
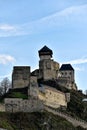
(67, 71)
(45, 53)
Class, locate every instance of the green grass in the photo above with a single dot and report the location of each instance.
(18, 95)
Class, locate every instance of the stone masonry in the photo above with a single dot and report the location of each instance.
(20, 105)
(52, 97)
(48, 68)
(21, 76)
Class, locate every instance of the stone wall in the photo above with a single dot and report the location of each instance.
(68, 74)
(52, 97)
(33, 90)
(20, 105)
(66, 82)
(48, 69)
(2, 107)
(13, 104)
(32, 105)
(20, 76)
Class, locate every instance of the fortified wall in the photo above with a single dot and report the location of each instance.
(52, 97)
(20, 105)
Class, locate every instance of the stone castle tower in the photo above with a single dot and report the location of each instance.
(67, 71)
(48, 69)
(67, 76)
(21, 76)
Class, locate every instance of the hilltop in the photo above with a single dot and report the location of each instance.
(47, 98)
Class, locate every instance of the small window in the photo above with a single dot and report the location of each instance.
(62, 73)
(11, 101)
(70, 73)
(18, 101)
(65, 73)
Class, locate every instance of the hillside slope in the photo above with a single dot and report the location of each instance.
(34, 121)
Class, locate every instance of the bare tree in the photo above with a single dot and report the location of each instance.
(1, 91)
(5, 85)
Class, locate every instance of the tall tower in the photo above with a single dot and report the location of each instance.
(47, 67)
(45, 53)
(21, 76)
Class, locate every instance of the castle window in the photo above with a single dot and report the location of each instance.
(25, 102)
(69, 77)
(32, 105)
(70, 73)
(62, 73)
(11, 101)
(18, 101)
(65, 73)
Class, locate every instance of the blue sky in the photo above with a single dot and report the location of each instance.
(27, 25)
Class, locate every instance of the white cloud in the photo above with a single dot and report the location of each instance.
(74, 15)
(4, 76)
(4, 59)
(78, 61)
(7, 30)
(7, 27)
(79, 68)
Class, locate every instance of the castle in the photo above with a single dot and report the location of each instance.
(40, 95)
(48, 70)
